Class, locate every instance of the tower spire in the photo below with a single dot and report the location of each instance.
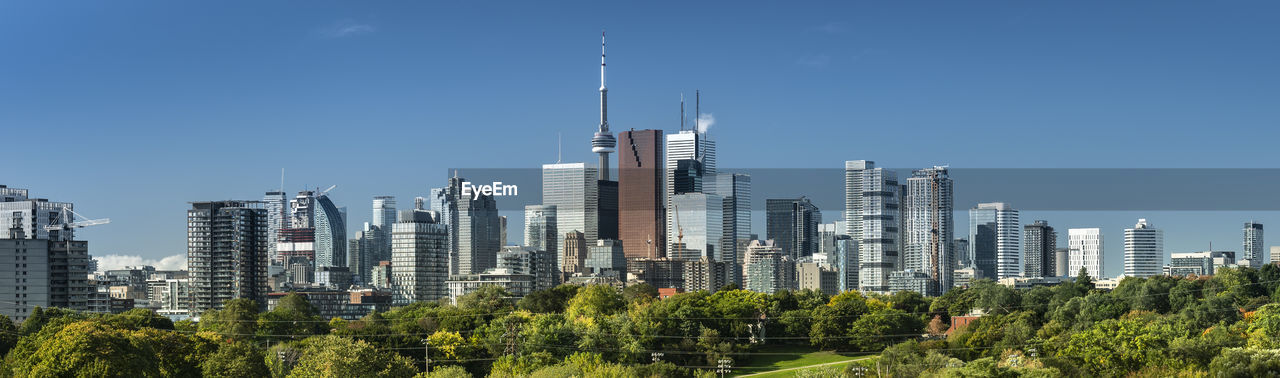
(603, 142)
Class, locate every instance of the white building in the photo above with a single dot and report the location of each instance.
(419, 257)
(1252, 252)
(872, 222)
(929, 227)
(1085, 251)
(1143, 250)
(767, 269)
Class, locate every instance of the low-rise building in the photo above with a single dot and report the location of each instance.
(518, 285)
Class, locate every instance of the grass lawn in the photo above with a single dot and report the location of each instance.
(788, 356)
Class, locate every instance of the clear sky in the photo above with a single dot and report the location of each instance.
(130, 109)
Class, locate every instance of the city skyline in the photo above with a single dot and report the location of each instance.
(147, 198)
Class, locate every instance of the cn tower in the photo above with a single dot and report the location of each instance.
(603, 141)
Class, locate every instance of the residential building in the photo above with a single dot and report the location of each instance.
(872, 219)
(845, 259)
(768, 269)
(419, 257)
(226, 252)
(1199, 263)
(1040, 250)
(705, 274)
(277, 218)
(813, 276)
(1251, 254)
(1143, 250)
(660, 272)
(1086, 251)
(993, 228)
(928, 223)
(529, 261)
(518, 285)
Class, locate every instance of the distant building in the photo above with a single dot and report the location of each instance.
(1086, 251)
(518, 285)
(226, 252)
(419, 257)
(698, 229)
(641, 216)
(607, 259)
(910, 280)
(793, 225)
(818, 278)
(380, 275)
(1031, 282)
(1199, 263)
(845, 260)
(575, 253)
(929, 227)
(872, 215)
(344, 304)
(706, 274)
(573, 189)
(735, 189)
(277, 218)
(965, 276)
(1062, 262)
(964, 256)
(659, 273)
(993, 230)
(529, 261)
(1252, 252)
(768, 269)
(540, 229)
(1143, 250)
(479, 239)
(1275, 255)
(1040, 250)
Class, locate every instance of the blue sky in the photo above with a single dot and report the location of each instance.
(131, 109)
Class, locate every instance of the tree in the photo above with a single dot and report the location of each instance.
(445, 372)
(335, 356)
(641, 292)
(1264, 327)
(1083, 279)
(90, 348)
(874, 331)
(553, 300)
(1236, 362)
(8, 335)
(293, 318)
(487, 299)
(237, 319)
(831, 323)
(237, 359)
(595, 300)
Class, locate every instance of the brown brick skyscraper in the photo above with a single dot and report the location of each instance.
(640, 210)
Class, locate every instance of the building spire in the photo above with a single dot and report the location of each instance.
(603, 142)
(604, 91)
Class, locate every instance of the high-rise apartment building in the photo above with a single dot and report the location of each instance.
(1085, 251)
(993, 228)
(845, 257)
(419, 257)
(277, 218)
(1252, 250)
(1143, 250)
(792, 224)
(768, 269)
(366, 249)
(641, 215)
(929, 226)
(1040, 251)
(226, 252)
(873, 221)
(331, 233)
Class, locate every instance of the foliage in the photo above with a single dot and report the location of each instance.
(336, 356)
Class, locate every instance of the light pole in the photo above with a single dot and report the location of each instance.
(724, 365)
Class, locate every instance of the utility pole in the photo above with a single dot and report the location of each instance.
(426, 355)
(724, 365)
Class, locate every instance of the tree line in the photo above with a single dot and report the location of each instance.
(1224, 325)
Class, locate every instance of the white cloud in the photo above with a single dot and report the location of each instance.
(110, 262)
(705, 121)
(345, 28)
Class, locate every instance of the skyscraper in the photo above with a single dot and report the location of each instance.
(1041, 243)
(641, 216)
(687, 145)
(792, 224)
(872, 220)
(993, 228)
(1143, 250)
(964, 256)
(540, 228)
(331, 234)
(929, 227)
(50, 267)
(419, 257)
(602, 142)
(384, 211)
(767, 269)
(479, 239)
(1252, 250)
(575, 253)
(445, 201)
(1085, 251)
(698, 228)
(845, 256)
(572, 189)
(366, 249)
(277, 218)
(226, 252)
(735, 188)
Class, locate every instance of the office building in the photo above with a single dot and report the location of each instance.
(479, 233)
(573, 190)
(993, 228)
(793, 225)
(419, 257)
(1198, 263)
(1086, 251)
(1040, 251)
(384, 211)
(813, 276)
(226, 252)
(694, 147)
(912, 280)
(575, 254)
(697, 227)
(641, 215)
(735, 188)
(607, 258)
(872, 219)
(517, 285)
(659, 273)
(928, 223)
(1251, 254)
(366, 249)
(1143, 250)
(540, 228)
(445, 202)
(964, 257)
(530, 261)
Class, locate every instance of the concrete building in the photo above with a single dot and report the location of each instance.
(641, 214)
(575, 254)
(708, 275)
(226, 252)
(660, 273)
(792, 224)
(995, 246)
(366, 249)
(1040, 250)
(929, 226)
(965, 276)
(872, 220)
(1251, 254)
(1086, 251)
(813, 276)
(1143, 250)
(1062, 262)
(573, 190)
(1199, 263)
(419, 257)
(518, 285)
(911, 280)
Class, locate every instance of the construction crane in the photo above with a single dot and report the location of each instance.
(67, 220)
(679, 229)
(326, 191)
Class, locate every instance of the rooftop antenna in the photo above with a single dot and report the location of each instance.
(281, 180)
(697, 110)
(559, 148)
(681, 111)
